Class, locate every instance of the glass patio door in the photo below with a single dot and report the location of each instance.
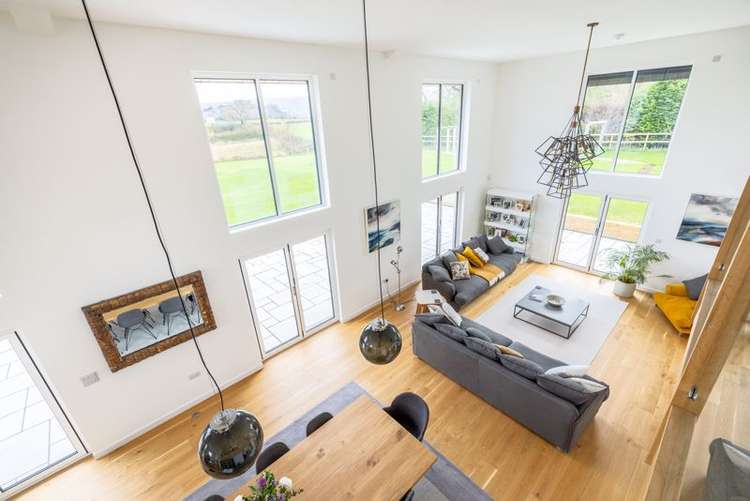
(36, 438)
(290, 292)
(595, 224)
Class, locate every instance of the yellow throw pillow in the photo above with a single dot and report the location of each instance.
(509, 351)
(461, 257)
(472, 257)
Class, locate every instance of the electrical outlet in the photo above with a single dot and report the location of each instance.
(90, 379)
(194, 375)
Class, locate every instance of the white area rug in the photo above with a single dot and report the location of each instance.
(585, 342)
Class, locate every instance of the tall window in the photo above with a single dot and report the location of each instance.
(262, 138)
(440, 218)
(442, 123)
(633, 115)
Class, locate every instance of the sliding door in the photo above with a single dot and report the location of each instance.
(35, 436)
(290, 292)
(596, 224)
(440, 221)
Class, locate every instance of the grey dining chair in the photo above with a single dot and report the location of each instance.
(132, 320)
(170, 308)
(269, 455)
(317, 422)
(411, 412)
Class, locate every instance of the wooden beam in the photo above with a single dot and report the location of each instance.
(666, 478)
(731, 238)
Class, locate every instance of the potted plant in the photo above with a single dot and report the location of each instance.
(267, 488)
(630, 265)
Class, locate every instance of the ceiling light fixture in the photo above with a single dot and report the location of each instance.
(566, 159)
(233, 438)
(380, 341)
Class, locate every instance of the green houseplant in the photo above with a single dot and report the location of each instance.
(630, 265)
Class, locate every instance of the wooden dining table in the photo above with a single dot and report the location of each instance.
(362, 453)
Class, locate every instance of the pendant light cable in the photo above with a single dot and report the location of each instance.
(148, 200)
(585, 62)
(372, 149)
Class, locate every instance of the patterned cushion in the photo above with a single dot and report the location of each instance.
(460, 270)
(482, 255)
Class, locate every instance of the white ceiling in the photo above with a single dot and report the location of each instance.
(496, 30)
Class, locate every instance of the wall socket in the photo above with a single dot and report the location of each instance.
(90, 379)
(194, 375)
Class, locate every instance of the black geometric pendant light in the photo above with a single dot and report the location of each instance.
(380, 341)
(566, 159)
(233, 438)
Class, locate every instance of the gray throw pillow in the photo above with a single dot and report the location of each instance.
(695, 286)
(497, 246)
(474, 332)
(481, 241)
(431, 318)
(447, 258)
(484, 348)
(521, 366)
(439, 273)
(451, 331)
(568, 389)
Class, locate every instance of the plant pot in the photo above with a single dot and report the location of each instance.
(623, 289)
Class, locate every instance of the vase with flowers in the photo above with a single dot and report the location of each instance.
(267, 488)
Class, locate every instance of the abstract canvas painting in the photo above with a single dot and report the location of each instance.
(390, 225)
(706, 219)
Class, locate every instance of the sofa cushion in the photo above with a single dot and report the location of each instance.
(469, 254)
(460, 270)
(496, 245)
(495, 338)
(506, 262)
(478, 241)
(570, 389)
(482, 255)
(678, 309)
(479, 334)
(544, 361)
(568, 370)
(507, 350)
(439, 273)
(484, 348)
(447, 258)
(451, 331)
(431, 319)
(521, 366)
(468, 290)
(694, 286)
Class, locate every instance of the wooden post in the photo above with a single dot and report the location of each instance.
(722, 310)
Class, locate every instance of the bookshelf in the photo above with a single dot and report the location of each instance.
(510, 214)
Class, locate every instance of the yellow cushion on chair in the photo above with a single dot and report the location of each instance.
(678, 310)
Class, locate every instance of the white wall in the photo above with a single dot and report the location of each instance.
(74, 223)
(708, 153)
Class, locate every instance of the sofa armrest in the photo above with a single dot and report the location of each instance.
(676, 289)
(446, 288)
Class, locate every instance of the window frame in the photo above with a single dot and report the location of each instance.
(313, 99)
(457, 224)
(462, 128)
(631, 91)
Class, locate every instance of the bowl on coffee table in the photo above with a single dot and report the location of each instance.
(555, 300)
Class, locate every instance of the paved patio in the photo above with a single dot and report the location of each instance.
(31, 438)
(269, 285)
(429, 229)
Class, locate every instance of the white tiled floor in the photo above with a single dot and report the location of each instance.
(31, 439)
(269, 285)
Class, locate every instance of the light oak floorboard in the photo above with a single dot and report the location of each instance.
(640, 360)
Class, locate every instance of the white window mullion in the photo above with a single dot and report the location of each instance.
(269, 151)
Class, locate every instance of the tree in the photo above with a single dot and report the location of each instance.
(657, 110)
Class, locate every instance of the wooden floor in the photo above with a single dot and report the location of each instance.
(640, 360)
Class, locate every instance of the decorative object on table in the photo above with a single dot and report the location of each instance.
(629, 266)
(425, 298)
(383, 222)
(267, 488)
(396, 263)
(555, 314)
(555, 300)
(132, 327)
(510, 214)
(233, 438)
(380, 341)
(566, 159)
(706, 219)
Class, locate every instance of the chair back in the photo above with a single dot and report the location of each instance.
(171, 305)
(130, 318)
(411, 412)
(318, 421)
(269, 455)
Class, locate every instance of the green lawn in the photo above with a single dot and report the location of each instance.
(633, 162)
(621, 211)
(429, 162)
(246, 186)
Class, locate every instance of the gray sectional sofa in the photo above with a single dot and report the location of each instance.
(458, 293)
(558, 420)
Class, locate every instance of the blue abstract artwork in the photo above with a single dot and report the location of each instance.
(390, 225)
(706, 219)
